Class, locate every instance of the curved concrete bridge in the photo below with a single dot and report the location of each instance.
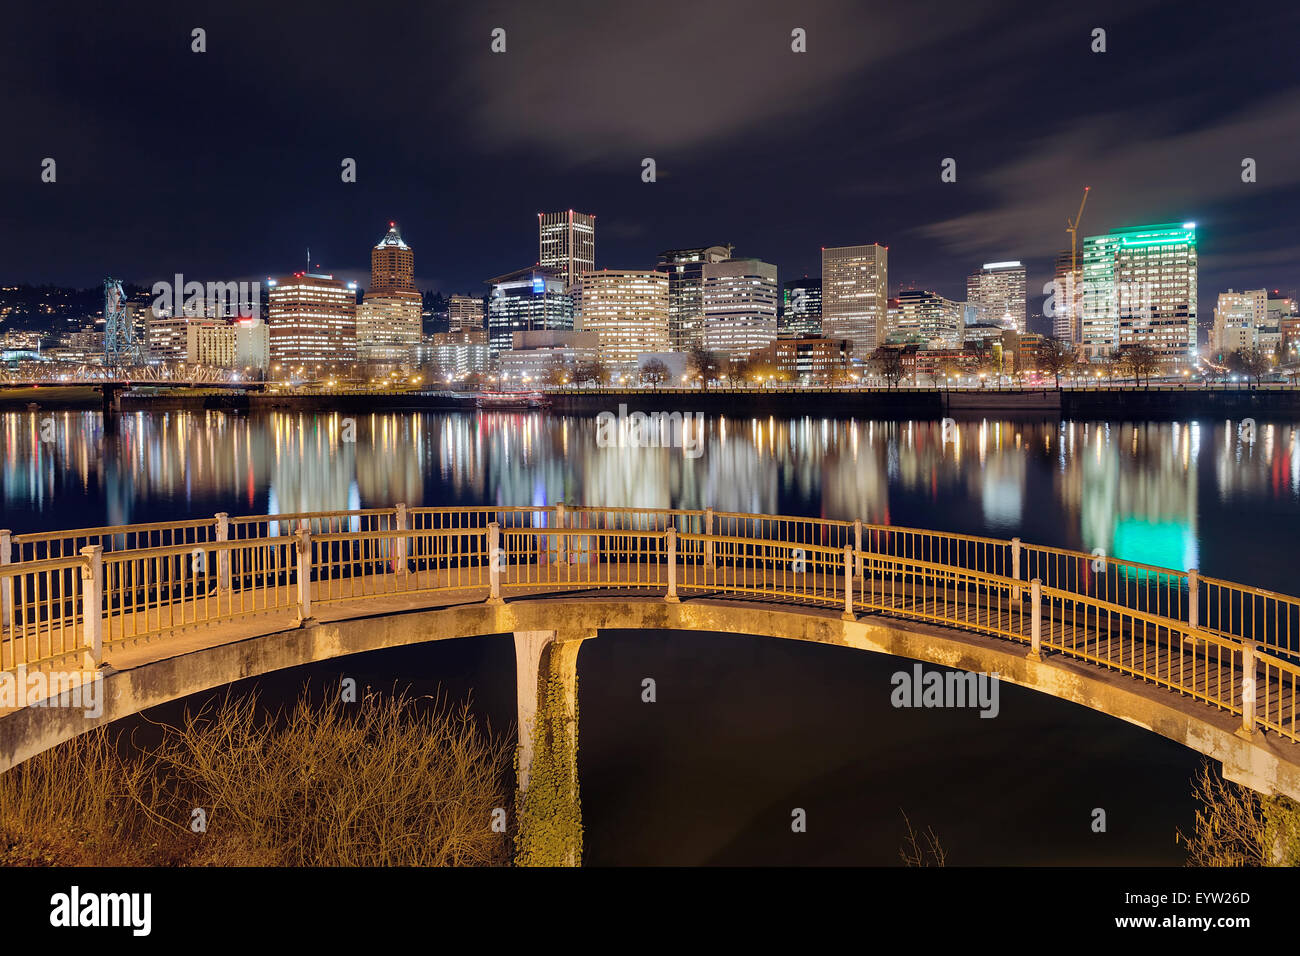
(101, 623)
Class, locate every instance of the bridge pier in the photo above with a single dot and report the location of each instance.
(547, 806)
(111, 399)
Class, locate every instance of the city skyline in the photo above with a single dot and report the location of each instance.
(816, 182)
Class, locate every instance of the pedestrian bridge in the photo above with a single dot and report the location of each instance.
(153, 612)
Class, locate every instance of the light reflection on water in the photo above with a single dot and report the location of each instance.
(1176, 494)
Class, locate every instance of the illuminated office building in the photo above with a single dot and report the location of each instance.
(465, 313)
(854, 301)
(998, 293)
(927, 318)
(1238, 317)
(739, 300)
(1139, 288)
(566, 244)
(390, 316)
(527, 300)
(627, 309)
(801, 309)
(392, 265)
(312, 319)
(685, 271)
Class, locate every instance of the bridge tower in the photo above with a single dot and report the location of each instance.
(120, 346)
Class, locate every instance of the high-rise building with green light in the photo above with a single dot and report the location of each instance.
(1139, 288)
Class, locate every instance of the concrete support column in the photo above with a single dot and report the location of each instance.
(6, 584)
(401, 524)
(670, 543)
(1193, 598)
(303, 548)
(1016, 593)
(222, 533)
(92, 606)
(848, 614)
(547, 802)
(1036, 621)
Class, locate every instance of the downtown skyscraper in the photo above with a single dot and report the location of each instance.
(801, 308)
(389, 320)
(740, 305)
(997, 292)
(685, 270)
(527, 300)
(1139, 288)
(566, 244)
(628, 311)
(854, 301)
(312, 319)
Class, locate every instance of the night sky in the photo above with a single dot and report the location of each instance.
(226, 164)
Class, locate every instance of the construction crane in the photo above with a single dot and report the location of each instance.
(1072, 227)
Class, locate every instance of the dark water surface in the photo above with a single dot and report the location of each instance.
(747, 729)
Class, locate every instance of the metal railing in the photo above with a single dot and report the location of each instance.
(67, 596)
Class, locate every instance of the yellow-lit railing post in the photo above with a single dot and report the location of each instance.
(1036, 620)
(304, 574)
(6, 585)
(1248, 688)
(494, 563)
(857, 543)
(1016, 592)
(92, 600)
(1193, 599)
(848, 584)
(400, 523)
(561, 542)
(223, 555)
(708, 543)
(670, 538)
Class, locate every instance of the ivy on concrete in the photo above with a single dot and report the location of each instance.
(549, 813)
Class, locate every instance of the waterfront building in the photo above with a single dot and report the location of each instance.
(312, 319)
(854, 295)
(685, 271)
(801, 309)
(739, 300)
(810, 360)
(997, 291)
(627, 309)
(535, 356)
(527, 300)
(240, 344)
(467, 313)
(1238, 319)
(928, 319)
(1139, 288)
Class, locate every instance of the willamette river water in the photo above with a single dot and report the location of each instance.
(745, 730)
